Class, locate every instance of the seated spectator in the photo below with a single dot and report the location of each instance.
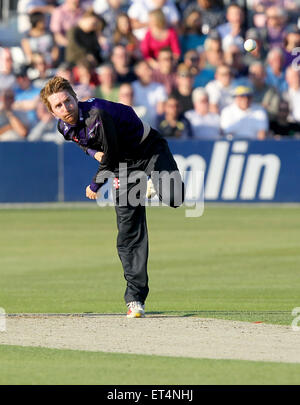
(292, 94)
(126, 96)
(110, 15)
(191, 36)
(259, 53)
(257, 76)
(123, 35)
(148, 93)
(193, 61)
(40, 72)
(276, 25)
(26, 95)
(85, 74)
(263, 94)
(63, 18)
(233, 57)
(83, 40)
(183, 92)
(260, 7)
(157, 37)
(7, 75)
(138, 13)
(165, 72)
(173, 124)
(83, 92)
(213, 57)
(205, 124)
(291, 41)
(281, 126)
(212, 12)
(120, 60)
(39, 40)
(27, 7)
(13, 124)
(220, 90)
(274, 70)
(242, 119)
(232, 32)
(46, 128)
(108, 88)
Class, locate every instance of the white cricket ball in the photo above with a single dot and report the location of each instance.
(250, 45)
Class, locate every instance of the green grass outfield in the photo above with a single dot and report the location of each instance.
(234, 262)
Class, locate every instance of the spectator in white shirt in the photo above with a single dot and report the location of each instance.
(205, 125)
(147, 93)
(139, 10)
(242, 119)
(220, 90)
(292, 95)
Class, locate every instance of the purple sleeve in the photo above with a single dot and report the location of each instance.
(94, 186)
(91, 152)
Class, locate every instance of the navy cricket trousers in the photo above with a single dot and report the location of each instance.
(155, 160)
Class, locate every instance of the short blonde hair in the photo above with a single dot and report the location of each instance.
(160, 18)
(55, 85)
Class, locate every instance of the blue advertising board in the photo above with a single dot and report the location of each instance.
(234, 171)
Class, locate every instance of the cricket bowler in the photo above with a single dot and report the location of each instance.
(124, 145)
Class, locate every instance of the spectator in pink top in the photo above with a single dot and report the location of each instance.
(63, 18)
(157, 37)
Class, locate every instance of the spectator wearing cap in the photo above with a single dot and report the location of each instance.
(275, 69)
(183, 92)
(172, 123)
(242, 119)
(13, 124)
(165, 72)
(220, 90)
(148, 93)
(159, 36)
(205, 124)
(191, 35)
(212, 12)
(7, 75)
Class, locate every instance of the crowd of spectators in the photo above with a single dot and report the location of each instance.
(181, 65)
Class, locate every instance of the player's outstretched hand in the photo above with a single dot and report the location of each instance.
(90, 194)
(98, 156)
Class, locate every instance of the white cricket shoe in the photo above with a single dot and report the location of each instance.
(151, 192)
(135, 309)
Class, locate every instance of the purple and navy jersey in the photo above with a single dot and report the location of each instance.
(107, 127)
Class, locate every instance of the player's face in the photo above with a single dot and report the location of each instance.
(64, 106)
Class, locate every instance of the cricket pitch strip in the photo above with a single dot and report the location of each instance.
(156, 335)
